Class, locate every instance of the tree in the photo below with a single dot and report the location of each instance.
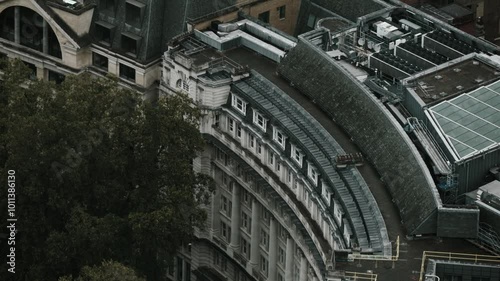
(101, 174)
(107, 271)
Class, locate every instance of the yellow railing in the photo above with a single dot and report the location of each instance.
(448, 256)
(355, 276)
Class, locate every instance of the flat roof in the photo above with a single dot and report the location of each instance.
(470, 122)
(454, 79)
(492, 188)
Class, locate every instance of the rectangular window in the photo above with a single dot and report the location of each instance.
(282, 12)
(289, 176)
(127, 72)
(107, 6)
(179, 269)
(270, 159)
(264, 239)
(297, 155)
(246, 222)
(230, 123)
(279, 137)
(103, 32)
(281, 256)
(259, 120)
(226, 205)
(259, 148)
(264, 17)
(245, 248)
(280, 277)
(312, 173)
(188, 271)
(311, 21)
(225, 231)
(278, 166)
(56, 77)
(266, 217)
(246, 197)
(133, 13)
(217, 120)
(100, 61)
(251, 141)
(238, 131)
(130, 43)
(239, 104)
(263, 266)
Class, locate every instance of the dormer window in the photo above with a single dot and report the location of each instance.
(103, 32)
(279, 137)
(134, 11)
(312, 173)
(297, 155)
(239, 104)
(259, 120)
(130, 43)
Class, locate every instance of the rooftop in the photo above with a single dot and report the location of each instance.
(470, 123)
(453, 79)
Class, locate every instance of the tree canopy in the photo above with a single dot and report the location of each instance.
(107, 271)
(101, 174)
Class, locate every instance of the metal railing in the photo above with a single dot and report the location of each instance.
(355, 276)
(377, 257)
(457, 257)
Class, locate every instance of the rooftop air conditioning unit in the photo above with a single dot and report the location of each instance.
(478, 80)
(475, 62)
(457, 69)
(438, 77)
(460, 87)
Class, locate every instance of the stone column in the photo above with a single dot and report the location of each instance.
(273, 249)
(303, 269)
(235, 217)
(45, 40)
(289, 259)
(17, 25)
(255, 239)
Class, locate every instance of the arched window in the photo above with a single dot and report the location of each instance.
(178, 84)
(32, 30)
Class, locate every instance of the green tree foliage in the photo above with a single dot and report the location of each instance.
(107, 271)
(100, 174)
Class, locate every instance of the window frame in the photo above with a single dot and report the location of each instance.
(279, 137)
(123, 76)
(282, 12)
(98, 57)
(258, 119)
(225, 231)
(297, 153)
(312, 173)
(239, 103)
(264, 266)
(230, 124)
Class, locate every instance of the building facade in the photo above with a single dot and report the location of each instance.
(281, 208)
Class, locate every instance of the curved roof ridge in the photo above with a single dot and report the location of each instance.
(367, 208)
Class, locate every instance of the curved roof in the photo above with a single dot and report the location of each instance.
(372, 127)
(321, 149)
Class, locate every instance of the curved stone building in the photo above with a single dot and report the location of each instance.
(283, 204)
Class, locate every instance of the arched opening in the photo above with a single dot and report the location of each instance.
(24, 26)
